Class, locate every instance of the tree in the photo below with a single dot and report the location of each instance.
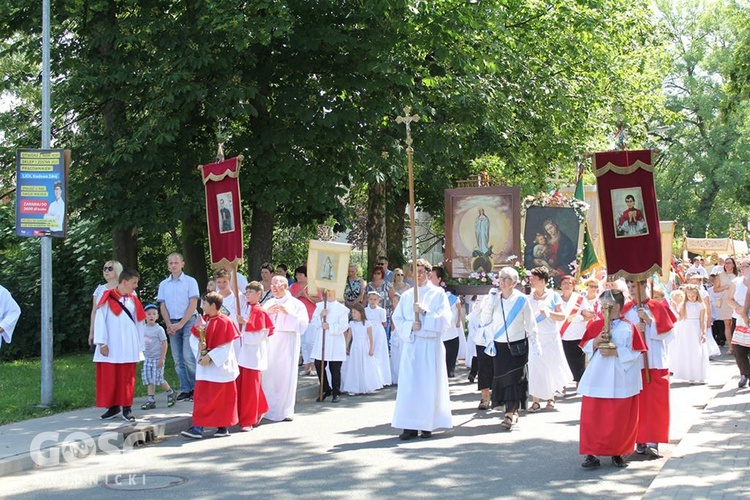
(702, 134)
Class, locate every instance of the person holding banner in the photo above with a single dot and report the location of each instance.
(290, 320)
(330, 318)
(655, 322)
(423, 398)
(577, 312)
(508, 337)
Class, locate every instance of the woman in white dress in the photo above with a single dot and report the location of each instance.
(111, 272)
(688, 354)
(722, 289)
(361, 370)
(548, 373)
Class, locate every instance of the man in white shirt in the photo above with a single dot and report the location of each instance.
(178, 300)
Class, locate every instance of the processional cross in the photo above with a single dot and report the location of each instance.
(407, 119)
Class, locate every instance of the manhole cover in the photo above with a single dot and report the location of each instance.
(142, 482)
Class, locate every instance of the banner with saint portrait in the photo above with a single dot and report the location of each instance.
(223, 211)
(630, 219)
(482, 229)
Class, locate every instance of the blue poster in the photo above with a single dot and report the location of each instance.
(41, 182)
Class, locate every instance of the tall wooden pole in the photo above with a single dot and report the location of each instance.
(639, 299)
(322, 375)
(406, 120)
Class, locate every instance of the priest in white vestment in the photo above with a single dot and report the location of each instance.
(290, 320)
(423, 398)
(9, 314)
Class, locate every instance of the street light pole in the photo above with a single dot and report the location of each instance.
(46, 243)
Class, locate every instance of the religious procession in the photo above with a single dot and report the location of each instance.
(459, 223)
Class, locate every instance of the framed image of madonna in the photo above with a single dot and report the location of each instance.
(327, 264)
(551, 240)
(482, 228)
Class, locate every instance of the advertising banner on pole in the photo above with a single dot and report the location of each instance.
(41, 191)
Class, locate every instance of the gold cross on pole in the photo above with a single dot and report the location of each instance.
(407, 119)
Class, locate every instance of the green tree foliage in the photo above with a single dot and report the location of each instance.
(703, 132)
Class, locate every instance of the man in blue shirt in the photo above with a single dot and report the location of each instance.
(178, 299)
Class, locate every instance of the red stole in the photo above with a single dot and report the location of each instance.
(258, 320)
(116, 306)
(664, 317)
(220, 330)
(595, 328)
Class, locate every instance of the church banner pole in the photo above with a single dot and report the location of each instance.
(638, 299)
(322, 376)
(406, 120)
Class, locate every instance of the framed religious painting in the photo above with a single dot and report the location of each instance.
(628, 212)
(552, 227)
(327, 264)
(482, 229)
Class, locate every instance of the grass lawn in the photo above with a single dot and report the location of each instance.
(20, 386)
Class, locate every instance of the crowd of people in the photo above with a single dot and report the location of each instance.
(239, 360)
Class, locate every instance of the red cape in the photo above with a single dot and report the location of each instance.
(665, 318)
(115, 304)
(220, 330)
(595, 328)
(258, 320)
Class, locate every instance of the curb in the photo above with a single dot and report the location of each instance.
(103, 440)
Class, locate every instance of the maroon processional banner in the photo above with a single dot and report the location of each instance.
(630, 219)
(223, 211)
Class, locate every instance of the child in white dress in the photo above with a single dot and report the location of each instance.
(361, 369)
(377, 317)
(689, 355)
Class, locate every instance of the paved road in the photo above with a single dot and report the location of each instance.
(350, 450)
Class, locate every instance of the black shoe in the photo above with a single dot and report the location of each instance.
(471, 379)
(617, 461)
(183, 396)
(221, 432)
(127, 414)
(325, 395)
(336, 399)
(190, 398)
(640, 448)
(193, 433)
(591, 461)
(451, 374)
(426, 434)
(288, 419)
(110, 413)
(407, 435)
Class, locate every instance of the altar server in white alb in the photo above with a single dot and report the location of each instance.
(330, 318)
(9, 314)
(423, 398)
(610, 387)
(118, 335)
(215, 398)
(290, 320)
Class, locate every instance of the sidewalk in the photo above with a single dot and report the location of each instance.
(713, 459)
(53, 435)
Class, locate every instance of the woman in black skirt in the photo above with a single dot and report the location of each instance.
(512, 326)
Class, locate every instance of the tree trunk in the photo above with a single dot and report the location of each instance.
(376, 242)
(261, 241)
(125, 246)
(193, 247)
(396, 228)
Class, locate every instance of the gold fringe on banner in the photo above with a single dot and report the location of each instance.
(635, 277)
(623, 170)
